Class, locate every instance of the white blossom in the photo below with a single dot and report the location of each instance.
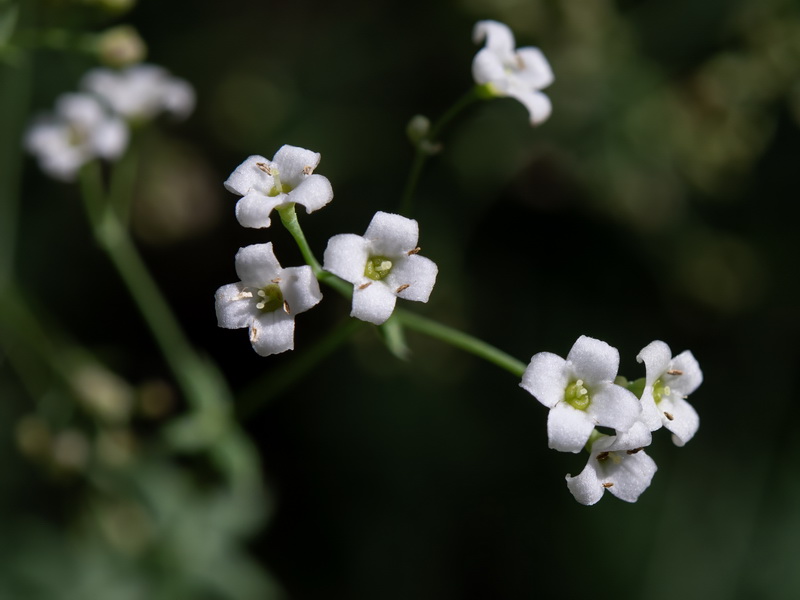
(519, 73)
(288, 178)
(266, 299)
(617, 464)
(668, 382)
(141, 92)
(79, 131)
(580, 393)
(383, 265)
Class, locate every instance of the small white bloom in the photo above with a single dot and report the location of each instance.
(617, 464)
(668, 381)
(266, 299)
(141, 92)
(518, 73)
(382, 266)
(79, 131)
(580, 393)
(286, 179)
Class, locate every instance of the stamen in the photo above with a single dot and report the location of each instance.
(414, 251)
(402, 287)
(262, 293)
(308, 169)
(276, 280)
(634, 451)
(364, 286)
(286, 307)
(608, 484)
(264, 167)
(674, 372)
(669, 416)
(602, 456)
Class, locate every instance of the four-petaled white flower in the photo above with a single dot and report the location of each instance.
(518, 73)
(141, 92)
(79, 131)
(286, 179)
(668, 381)
(580, 393)
(382, 266)
(617, 464)
(266, 299)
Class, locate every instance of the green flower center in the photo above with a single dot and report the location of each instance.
(377, 267)
(577, 396)
(76, 136)
(270, 298)
(660, 390)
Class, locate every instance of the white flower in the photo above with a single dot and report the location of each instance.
(266, 299)
(265, 185)
(580, 393)
(141, 92)
(382, 266)
(519, 73)
(617, 464)
(80, 130)
(668, 381)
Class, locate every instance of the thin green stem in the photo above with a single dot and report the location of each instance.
(123, 181)
(423, 150)
(461, 340)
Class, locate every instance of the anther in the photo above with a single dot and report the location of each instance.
(669, 416)
(261, 305)
(414, 251)
(262, 293)
(264, 167)
(674, 372)
(608, 484)
(276, 280)
(308, 169)
(286, 307)
(634, 451)
(364, 286)
(402, 287)
(602, 456)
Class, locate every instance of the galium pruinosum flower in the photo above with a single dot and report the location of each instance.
(382, 265)
(580, 393)
(668, 382)
(269, 184)
(504, 70)
(79, 131)
(266, 299)
(617, 464)
(141, 92)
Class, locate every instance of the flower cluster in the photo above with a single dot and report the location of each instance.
(94, 123)
(382, 265)
(583, 392)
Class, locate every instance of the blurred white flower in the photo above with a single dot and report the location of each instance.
(580, 393)
(617, 464)
(80, 130)
(141, 92)
(668, 382)
(505, 71)
(383, 265)
(265, 185)
(266, 299)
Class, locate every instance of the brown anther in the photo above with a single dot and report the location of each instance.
(414, 251)
(253, 334)
(634, 451)
(276, 280)
(402, 287)
(520, 62)
(674, 372)
(668, 415)
(308, 169)
(608, 484)
(286, 308)
(602, 456)
(264, 167)
(364, 286)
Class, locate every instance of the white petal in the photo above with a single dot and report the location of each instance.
(374, 303)
(314, 192)
(638, 436)
(538, 105)
(586, 487)
(684, 423)
(691, 377)
(272, 332)
(546, 378)
(346, 257)
(631, 476)
(568, 429)
(256, 265)
(179, 98)
(416, 272)
(593, 361)
(300, 289)
(247, 176)
(235, 308)
(655, 356)
(110, 138)
(488, 68)
(253, 210)
(613, 406)
(81, 109)
(535, 70)
(651, 416)
(392, 235)
(295, 163)
(499, 38)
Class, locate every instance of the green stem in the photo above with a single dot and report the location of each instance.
(461, 340)
(423, 147)
(123, 180)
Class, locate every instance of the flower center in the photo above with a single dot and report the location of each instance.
(278, 187)
(76, 135)
(377, 267)
(577, 396)
(660, 390)
(270, 298)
